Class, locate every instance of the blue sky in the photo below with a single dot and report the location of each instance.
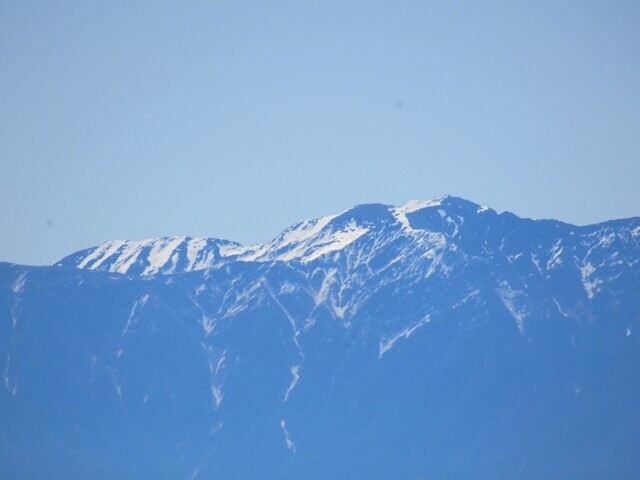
(130, 120)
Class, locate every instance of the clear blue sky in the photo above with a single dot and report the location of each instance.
(234, 119)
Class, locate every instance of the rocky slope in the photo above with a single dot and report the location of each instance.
(439, 339)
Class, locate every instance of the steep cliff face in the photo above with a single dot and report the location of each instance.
(439, 339)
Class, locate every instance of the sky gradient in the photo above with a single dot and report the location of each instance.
(235, 119)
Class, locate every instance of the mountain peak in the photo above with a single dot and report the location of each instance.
(415, 229)
(304, 241)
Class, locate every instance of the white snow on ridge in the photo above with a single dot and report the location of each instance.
(158, 255)
(161, 253)
(304, 242)
(400, 213)
(195, 248)
(415, 205)
(296, 237)
(304, 231)
(233, 249)
(336, 241)
(291, 244)
(100, 254)
(128, 252)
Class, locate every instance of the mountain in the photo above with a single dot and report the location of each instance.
(439, 339)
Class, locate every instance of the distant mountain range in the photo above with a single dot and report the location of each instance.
(435, 340)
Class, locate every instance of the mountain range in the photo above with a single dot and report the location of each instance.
(435, 340)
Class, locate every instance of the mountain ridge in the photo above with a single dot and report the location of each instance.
(383, 342)
(122, 256)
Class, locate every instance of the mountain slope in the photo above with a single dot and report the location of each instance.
(438, 339)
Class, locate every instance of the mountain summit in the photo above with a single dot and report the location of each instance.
(303, 242)
(438, 339)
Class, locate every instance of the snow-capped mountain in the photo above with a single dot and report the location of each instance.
(302, 242)
(438, 339)
(149, 257)
(421, 228)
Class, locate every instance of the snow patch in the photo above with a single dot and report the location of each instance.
(450, 221)
(289, 317)
(161, 254)
(128, 254)
(116, 384)
(338, 311)
(555, 259)
(590, 286)
(327, 280)
(385, 345)
(195, 247)
(207, 324)
(141, 302)
(100, 254)
(607, 240)
(290, 445)
(288, 287)
(336, 241)
(13, 389)
(513, 301)
(304, 231)
(297, 237)
(18, 285)
(562, 312)
(295, 374)
(221, 361)
(400, 213)
(536, 262)
(216, 391)
(512, 258)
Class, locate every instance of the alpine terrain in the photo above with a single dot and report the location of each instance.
(435, 340)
